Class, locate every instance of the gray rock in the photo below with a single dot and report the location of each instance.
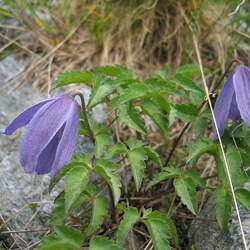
(205, 235)
(17, 189)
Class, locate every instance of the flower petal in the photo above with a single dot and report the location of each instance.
(68, 141)
(223, 106)
(47, 156)
(234, 112)
(42, 129)
(241, 82)
(24, 118)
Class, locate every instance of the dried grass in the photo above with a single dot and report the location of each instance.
(143, 35)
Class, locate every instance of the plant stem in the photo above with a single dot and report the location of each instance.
(112, 206)
(85, 114)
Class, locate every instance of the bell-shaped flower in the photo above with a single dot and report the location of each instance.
(234, 100)
(50, 136)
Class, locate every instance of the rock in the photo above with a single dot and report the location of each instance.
(206, 235)
(18, 189)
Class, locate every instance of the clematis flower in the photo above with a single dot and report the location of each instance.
(234, 100)
(50, 136)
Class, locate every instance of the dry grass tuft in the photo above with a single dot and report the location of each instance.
(143, 35)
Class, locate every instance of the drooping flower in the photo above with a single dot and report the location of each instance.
(50, 136)
(234, 100)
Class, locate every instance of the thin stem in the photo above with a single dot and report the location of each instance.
(112, 206)
(193, 218)
(85, 114)
(25, 231)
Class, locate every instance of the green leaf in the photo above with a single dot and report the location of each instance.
(223, 206)
(102, 88)
(185, 188)
(117, 70)
(106, 169)
(75, 183)
(137, 159)
(153, 155)
(243, 196)
(153, 110)
(186, 83)
(100, 211)
(130, 217)
(195, 176)
(102, 138)
(74, 77)
(115, 150)
(100, 243)
(189, 70)
(234, 162)
(58, 215)
(168, 224)
(159, 87)
(196, 148)
(163, 74)
(128, 115)
(159, 230)
(162, 176)
(133, 143)
(151, 87)
(66, 239)
(185, 112)
(199, 125)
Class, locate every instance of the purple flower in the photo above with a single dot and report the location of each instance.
(50, 136)
(234, 100)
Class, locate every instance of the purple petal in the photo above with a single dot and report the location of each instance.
(234, 112)
(24, 118)
(241, 82)
(223, 106)
(47, 156)
(68, 141)
(42, 129)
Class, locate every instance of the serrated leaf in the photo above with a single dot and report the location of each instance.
(185, 112)
(223, 206)
(73, 77)
(128, 115)
(102, 88)
(101, 243)
(132, 143)
(159, 230)
(115, 70)
(196, 148)
(75, 183)
(151, 87)
(189, 70)
(195, 176)
(243, 196)
(137, 159)
(159, 87)
(234, 162)
(66, 239)
(115, 150)
(58, 213)
(185, 188)
(106, 169)
(171, 232)
(153, 110)
(100, 211)
(130, 217)
(162, 176)
(162, 101)
(153, 155)
(199, 125)
(102, 138)
(186, 83)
